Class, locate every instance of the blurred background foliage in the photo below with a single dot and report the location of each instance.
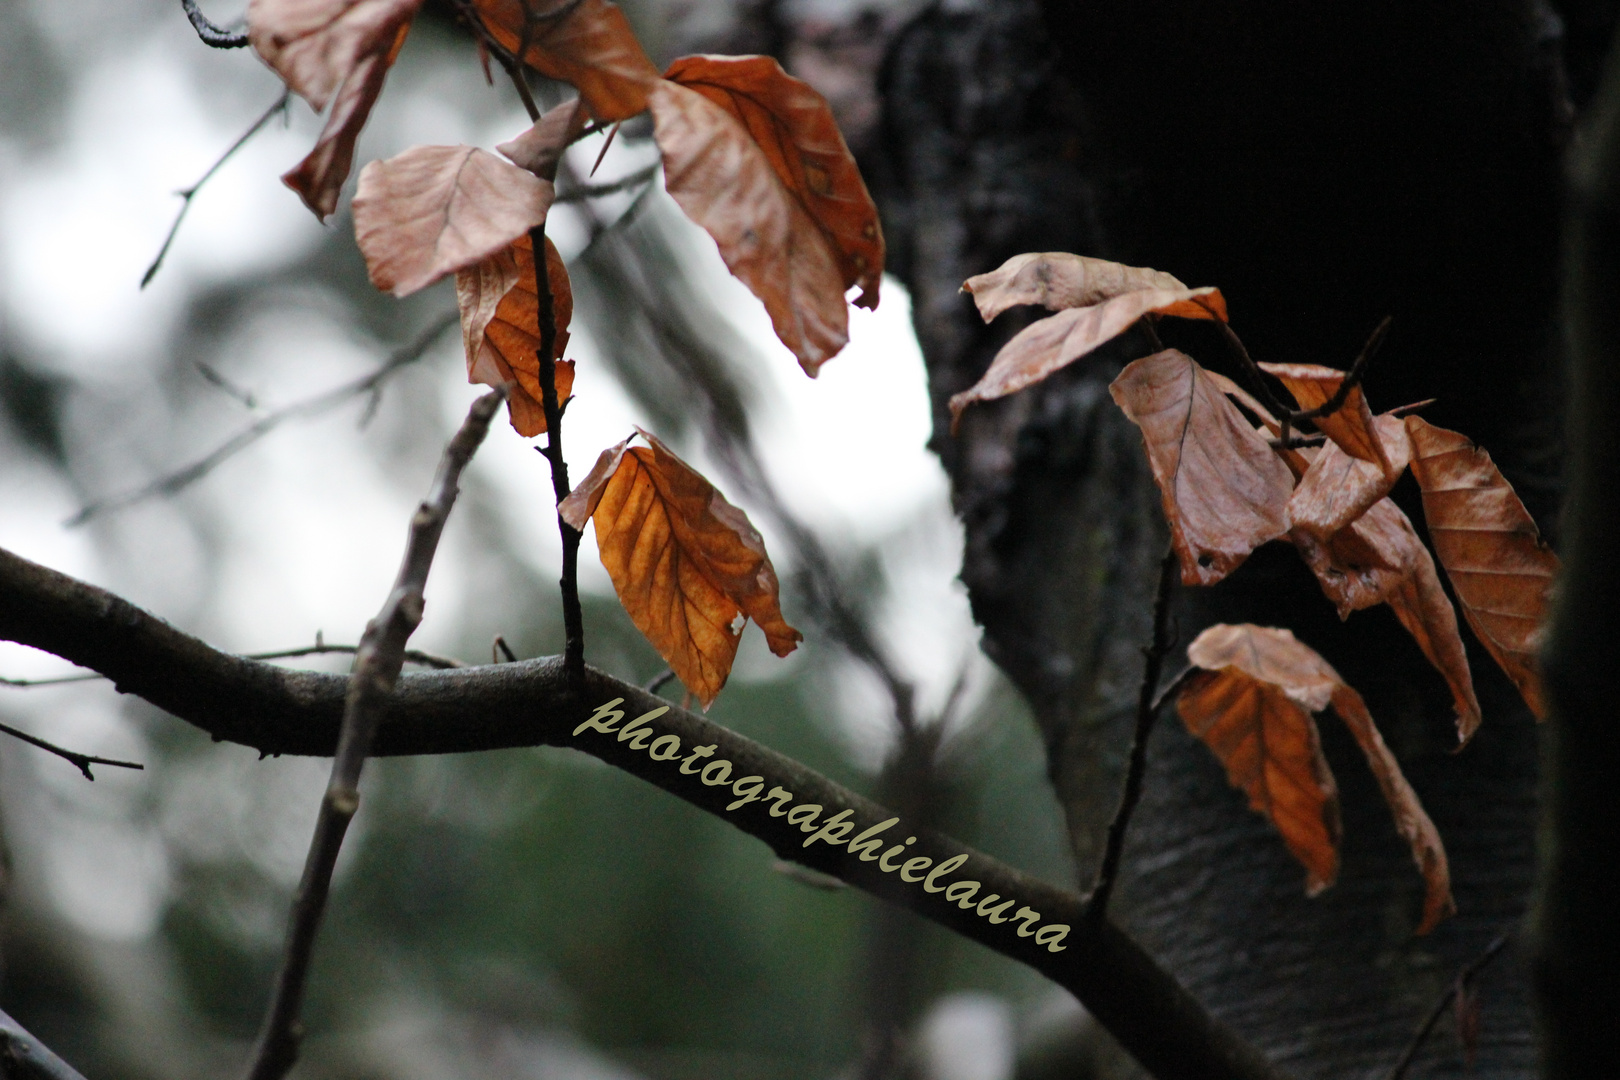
(527, 913)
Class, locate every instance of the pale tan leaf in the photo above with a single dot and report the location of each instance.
(1058, 280)
(1338, 488)
(1224, 492)
(1499, 568)
(588, 43)
(1351, 425)
(315, 45)
(434, 210)
(724, 182)
(540, 148)
(1057, 341)
(500, 308)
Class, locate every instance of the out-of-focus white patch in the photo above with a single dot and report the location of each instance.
(967, 1037)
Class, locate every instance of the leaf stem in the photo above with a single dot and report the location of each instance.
(1466, 976)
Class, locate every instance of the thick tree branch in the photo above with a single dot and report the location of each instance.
(23, 1057)
(376, 670)
(532, 703)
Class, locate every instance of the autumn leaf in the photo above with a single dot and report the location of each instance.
(1224, 492)
(1338, 488)
(1058, 280)
(500, 307)
(1379, 559)
(1350, 426)
(792, 124)
(316, 45)
(1252, 706)
(540, 148)
(1057, 341)
(684, 561)
(724, 182)
(588, 43)
(1499, 567)
(434, 210)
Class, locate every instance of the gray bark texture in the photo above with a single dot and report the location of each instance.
(1325, 165)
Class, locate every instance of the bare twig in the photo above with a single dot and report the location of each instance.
(503, 56)
(500, 648)
(215, 37)
(1292, 418)
(184, 477)
(187, 194)
(1464, 979)
(376, 670)
(1146, 709)
(226, 386)
(624, 183)
(82, 761)
(660, 681)
(23, 1057)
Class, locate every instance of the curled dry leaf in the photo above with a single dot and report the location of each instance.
(1058, 280)
(500, 310)
(540, 148)
(684, 561)
(1251, 705)
(794, 127)
(1338, 488)
(319, 178)
(1225, 493)
(1059, 340)
(1492, 551)
(316, 45)
(724, 182)
(588, 43)
(436, 209)
(1350, 426)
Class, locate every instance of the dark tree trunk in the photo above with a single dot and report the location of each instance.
(1326, 165)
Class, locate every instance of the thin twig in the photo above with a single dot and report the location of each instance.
(184, 477)
(503, 56)
(215, 37)
(376, 670)
(82, 761)
(1467, 975)
(1146, 702)
(26, 1058)
(1351, 380)
(187, 194)
(225, 386)
(500, 648)
(1408, 410)
(596, 191)
(659, 681)
(1256, 380)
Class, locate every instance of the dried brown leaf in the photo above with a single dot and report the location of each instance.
(724, 182)
(500, 308)
(1351, 425)
(1338, 488)
(1057, 341)
(1499, 567)
(684, 561)
(434, 210)
(588, 43)
(794, 128)
(1058, 280)
(1224, 492)
(1252, 706)
(540, 148)
(315, 45)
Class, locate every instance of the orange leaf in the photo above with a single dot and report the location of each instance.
(1225, 493)
(1059, 340)
(540, 148)
(1378, 559)
(500, 308)
(794, 127)
(684, 561)
(724, 182)
(1058, 280)
(316, 45)
(1350, 426)
(1252, 707)
(588, 43)
(1338, 488)
(434, 210)
(1491, 549)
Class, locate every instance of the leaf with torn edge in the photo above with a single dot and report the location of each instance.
(316, 45)
(588, 43)
(319, 178)
(1350, 426)
(1224, 492)
(1378, 559)
(500, 309)
(1252, 706)
(794, 127)
(1057, 341)
(1058, 280)
(433, 210)
(724, 182)
(540, 148)
(1499, 567)
(1338, 488)
(684, 561)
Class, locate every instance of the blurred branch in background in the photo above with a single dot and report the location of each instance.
(23, 1057)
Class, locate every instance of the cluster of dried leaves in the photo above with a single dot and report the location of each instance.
(1229, 484)
(749, 153)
